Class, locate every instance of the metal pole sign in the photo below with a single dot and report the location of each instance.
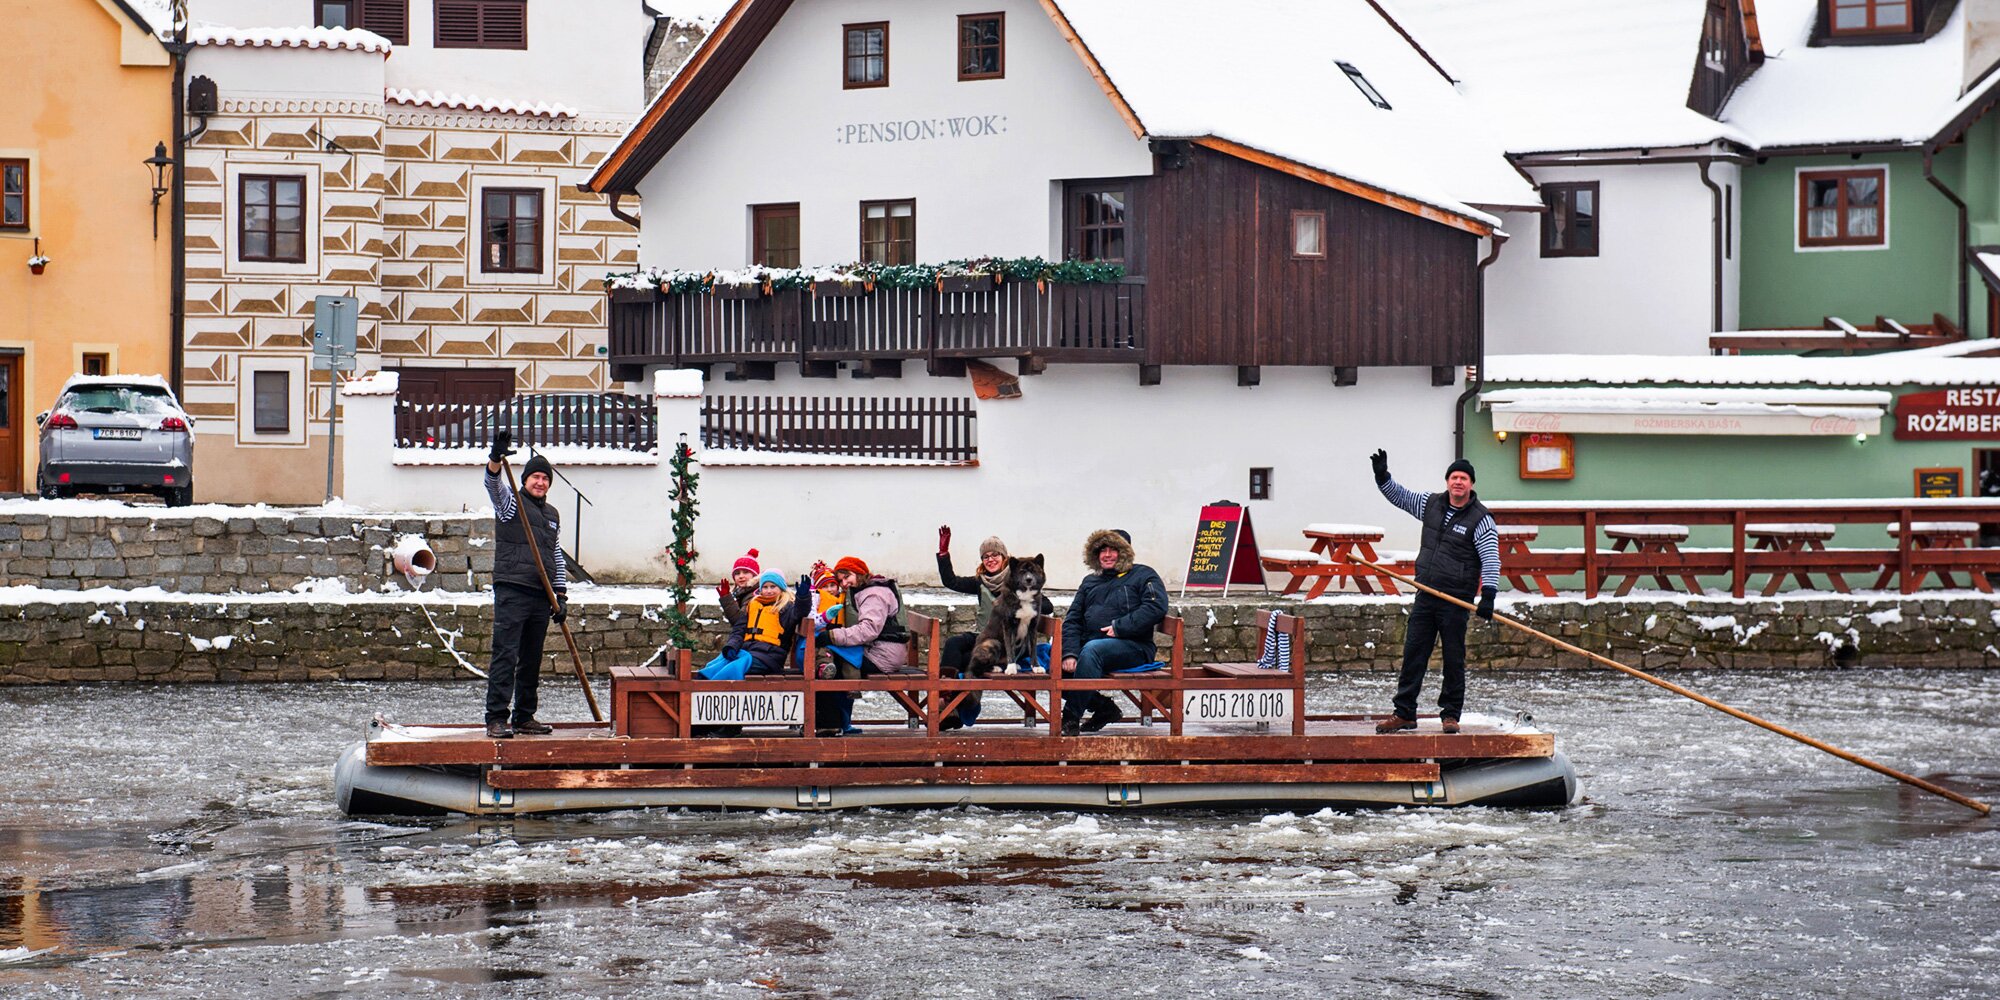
(334, 323)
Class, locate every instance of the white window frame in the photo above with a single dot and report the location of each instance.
(233, 263)
(475, 232)
(246, 400)
(1798, 223)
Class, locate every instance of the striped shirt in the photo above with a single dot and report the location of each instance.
(504, 509)
(1485, 534)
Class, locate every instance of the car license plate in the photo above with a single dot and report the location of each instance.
(116, 433)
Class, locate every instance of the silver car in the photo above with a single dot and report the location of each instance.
(109, 434)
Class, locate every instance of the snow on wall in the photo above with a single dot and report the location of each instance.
(1086, 448)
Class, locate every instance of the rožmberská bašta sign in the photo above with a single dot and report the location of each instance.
(1949, 415)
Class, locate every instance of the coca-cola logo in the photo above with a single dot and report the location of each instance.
(1835, 425)
(1543, 422)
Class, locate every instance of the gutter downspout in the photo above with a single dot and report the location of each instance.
(177, 308)
(611, 201)
(1714, 245)
(1964, 236)
(1479, 372)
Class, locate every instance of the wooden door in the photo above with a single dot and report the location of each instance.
(11, 431)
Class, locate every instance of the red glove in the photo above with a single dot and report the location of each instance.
(722, 589)
(944, 540)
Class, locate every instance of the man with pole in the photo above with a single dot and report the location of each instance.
(1460, 552)
(530, 589)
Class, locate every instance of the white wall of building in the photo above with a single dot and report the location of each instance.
(1649, 288)
(785, 131)
(1140, 458)
(588, 54)
(291, 73)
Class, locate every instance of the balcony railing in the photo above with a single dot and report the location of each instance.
(915, 429)
(1097, 322)
(590, 420)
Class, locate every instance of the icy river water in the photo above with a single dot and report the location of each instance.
(182, 842)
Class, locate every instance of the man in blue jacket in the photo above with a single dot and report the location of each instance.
(1109, 626)
(1460, 554)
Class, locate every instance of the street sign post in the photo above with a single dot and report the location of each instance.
(334, 323)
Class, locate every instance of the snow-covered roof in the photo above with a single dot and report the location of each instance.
(1806, 96)
(158, 14)
(289, 38)
(1924, 366)
(1554, 75)
(698, 11)
(473, 102)
(1265, 75)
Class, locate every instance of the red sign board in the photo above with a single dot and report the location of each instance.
(1225, 549)
(1971, 414)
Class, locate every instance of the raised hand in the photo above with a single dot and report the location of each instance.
(1381, 462)
(944, 539)
(503, 445)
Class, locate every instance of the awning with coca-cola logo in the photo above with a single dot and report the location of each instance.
(1753, 412)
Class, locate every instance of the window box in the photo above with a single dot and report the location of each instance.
(1844, 208)
(841, 289)
(749, 291)
(625, 295)
(968, 283)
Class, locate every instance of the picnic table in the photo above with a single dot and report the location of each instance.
(1795, 537)
(1330, 560)
(1939, 535)
(1661, 540)
(1514, 539)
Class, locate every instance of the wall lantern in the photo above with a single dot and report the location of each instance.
(1500, 436)
(160, 162)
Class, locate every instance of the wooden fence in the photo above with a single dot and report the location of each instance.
(925, 429)
(590, 420)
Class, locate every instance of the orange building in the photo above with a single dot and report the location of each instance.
(93, 95)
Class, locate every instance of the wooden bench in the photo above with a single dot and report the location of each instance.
(645, 701)
(1937, 535)
(1659, 540)
(1149, 692)
(1795, 538)
(1290, 678)
(1033, 692)
(910, 686)
(1514, 539)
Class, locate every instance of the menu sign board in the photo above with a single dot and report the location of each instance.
(1225, 549)
(1940, 484)
(1971, 414)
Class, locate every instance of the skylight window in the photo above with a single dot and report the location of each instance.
(1361, 83)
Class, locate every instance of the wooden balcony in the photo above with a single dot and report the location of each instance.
(879, 329)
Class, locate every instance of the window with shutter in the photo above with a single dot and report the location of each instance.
(388, 18)
(481, 24)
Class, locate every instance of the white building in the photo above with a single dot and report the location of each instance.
(1294, 202)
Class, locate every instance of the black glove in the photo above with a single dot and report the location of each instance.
(562, 609)
(503, 445)
(1486, 603)
(804, 595)
(1381, 462)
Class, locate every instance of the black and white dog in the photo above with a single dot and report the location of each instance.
(1009, 636)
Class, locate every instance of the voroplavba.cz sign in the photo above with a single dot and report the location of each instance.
(919, 129)
(747, 708)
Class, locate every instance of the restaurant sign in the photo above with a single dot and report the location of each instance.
(1949, 415)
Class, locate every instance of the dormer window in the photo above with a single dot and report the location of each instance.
(1361, 83)
(1869, 17)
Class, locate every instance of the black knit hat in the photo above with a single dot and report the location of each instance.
(1461, 465)
(538, 463)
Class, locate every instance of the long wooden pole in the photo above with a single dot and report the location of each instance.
(1908, 779)
(535, 549)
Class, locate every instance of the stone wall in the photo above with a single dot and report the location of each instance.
(383, 636)
(275, 551)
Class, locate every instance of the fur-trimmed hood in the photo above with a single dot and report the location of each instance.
(1099, 539)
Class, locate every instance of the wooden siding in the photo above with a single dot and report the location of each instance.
(1224, 288)
(1723, 30)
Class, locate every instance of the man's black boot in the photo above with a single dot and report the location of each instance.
(1101, 718)
(530, 727)
(499, 731)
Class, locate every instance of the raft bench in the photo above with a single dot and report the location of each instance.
(910, 687)
(1249, 676)
(1152, 692)
(1033, 692)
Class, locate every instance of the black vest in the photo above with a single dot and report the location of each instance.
(1449, 561)
(513, 564)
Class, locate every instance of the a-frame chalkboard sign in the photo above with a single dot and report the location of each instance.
(1225, 550)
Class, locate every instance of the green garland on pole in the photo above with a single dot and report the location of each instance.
(681, 627)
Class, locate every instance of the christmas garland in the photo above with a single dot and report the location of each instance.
(680, 625)
(904, 276)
